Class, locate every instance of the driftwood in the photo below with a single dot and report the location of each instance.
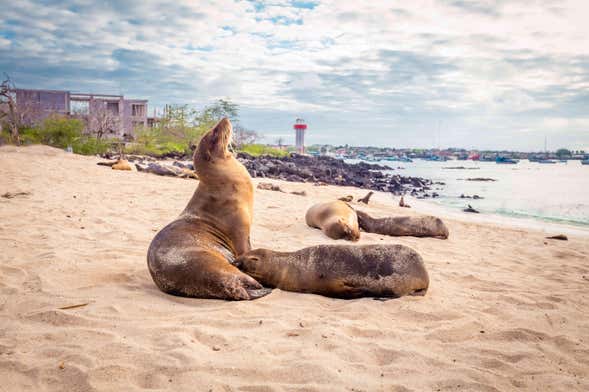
(347, 198)
(560, 237)
(12, 195)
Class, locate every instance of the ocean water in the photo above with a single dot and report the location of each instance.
(557, 193)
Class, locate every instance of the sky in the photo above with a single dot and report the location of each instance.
(486, 74)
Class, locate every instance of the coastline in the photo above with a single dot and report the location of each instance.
(505, 309)
(539, 224)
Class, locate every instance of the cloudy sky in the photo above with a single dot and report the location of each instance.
(465, 73)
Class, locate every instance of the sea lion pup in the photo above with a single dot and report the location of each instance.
(336, 218)
(342, 271)
(416, 226)
(192, 255)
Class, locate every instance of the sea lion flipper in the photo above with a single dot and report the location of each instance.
(258, 293)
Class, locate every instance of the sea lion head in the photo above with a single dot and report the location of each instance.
(253, 262)
(340, 229)
(214, 144)
(441, 228)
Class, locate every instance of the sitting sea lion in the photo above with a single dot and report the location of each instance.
(403, 204)
(416, 226)
(192, 255)
(366, 198)
(341, 271)
(336, 218)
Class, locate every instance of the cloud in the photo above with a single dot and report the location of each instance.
(370, 74)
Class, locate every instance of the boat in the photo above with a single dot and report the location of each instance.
(506, 161)
(546, 161)
(436, 158)
(585, 162)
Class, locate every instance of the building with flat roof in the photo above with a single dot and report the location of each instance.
(114, 115)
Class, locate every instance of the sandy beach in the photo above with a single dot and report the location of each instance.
(506, 309)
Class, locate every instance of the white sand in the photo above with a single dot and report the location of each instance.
(506, 308)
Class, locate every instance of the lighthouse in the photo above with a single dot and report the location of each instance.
(300, 127)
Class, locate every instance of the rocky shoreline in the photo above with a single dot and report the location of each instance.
(302, 168)
(332, 171)
(318, 170)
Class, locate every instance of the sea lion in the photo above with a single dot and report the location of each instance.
(342, 271)
(416, 226)
(192, 255)
(336, 218)
(403, 204)
(470, 209)
(121, 164)
(366, 198)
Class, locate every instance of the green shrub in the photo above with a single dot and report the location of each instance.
(87, 145)
(161, 140)
(31, 136)
(260, 149)
(59, 131)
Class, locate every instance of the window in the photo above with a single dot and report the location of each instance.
(113, 108)
(138, 110)
(80, 107)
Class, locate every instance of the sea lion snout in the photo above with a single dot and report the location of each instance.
(214, 144)
(244, 261)
(351, 234)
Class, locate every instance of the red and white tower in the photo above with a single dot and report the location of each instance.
(300, 127)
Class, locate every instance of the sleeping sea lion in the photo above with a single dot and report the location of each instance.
(342, 271)
(192, 255)
(121, 164)
(336, 218)
(416, 226)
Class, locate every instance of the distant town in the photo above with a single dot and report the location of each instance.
(434, 154)
(115, 116)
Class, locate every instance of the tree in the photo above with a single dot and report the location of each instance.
(102, 121)
(220, 109)
(562, 153)
(14, 114)
(243, 136)
(9, 110)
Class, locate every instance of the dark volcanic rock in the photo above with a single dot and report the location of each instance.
(327, 170)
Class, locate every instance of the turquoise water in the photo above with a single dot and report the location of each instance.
(556, 193)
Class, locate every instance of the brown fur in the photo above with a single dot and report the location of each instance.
(121, 164)
(337, 220)
(341, 271)
(416, 226)
(191, 256)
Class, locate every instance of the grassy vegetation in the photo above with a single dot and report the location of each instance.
(157, 142)
(176, 132)
(260, 149)
(60, 131)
